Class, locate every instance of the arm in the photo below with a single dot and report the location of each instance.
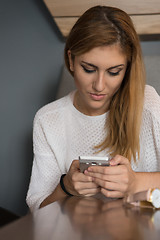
(56, 195)
(46, 172)
(146, 180)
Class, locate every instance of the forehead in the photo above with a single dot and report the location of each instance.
(104, 55)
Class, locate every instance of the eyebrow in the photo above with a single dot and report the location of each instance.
(92, 65)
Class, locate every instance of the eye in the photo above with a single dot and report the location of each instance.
(87, 70)
(114, 73)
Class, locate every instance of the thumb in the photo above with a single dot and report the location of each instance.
(119, 160)
(75, 165)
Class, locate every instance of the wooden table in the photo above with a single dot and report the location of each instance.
(86, 218)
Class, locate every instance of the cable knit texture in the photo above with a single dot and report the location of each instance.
(61, 134)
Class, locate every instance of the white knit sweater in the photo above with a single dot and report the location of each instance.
(61, 134)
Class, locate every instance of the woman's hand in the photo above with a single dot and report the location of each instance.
(78, 184)
(115, 181)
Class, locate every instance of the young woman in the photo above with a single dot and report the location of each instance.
(111, 113)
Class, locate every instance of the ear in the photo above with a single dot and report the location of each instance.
(70, 61)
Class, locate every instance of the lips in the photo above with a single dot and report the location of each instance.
(97, 97)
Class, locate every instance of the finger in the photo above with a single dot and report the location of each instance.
(116, 178)
(89, 192)
(96, 175)
(112, 194)
(77, 175)
(118, 159)
(75, 165)
(112, 170)
(80, 177)
(110, 185)
(84, 185)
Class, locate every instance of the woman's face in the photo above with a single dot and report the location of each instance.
(98, 75)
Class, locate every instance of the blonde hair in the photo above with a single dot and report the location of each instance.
(103, 26)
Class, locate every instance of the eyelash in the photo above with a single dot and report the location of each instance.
(110, 73)
(87, 70)
(114, 73)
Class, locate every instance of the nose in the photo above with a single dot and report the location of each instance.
(99, 83)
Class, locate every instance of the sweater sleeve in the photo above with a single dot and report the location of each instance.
(45, 170)
(151, 130)
(154, 108)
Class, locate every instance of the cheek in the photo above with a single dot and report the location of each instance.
(81, 80)
(115, 84)
(79, 83)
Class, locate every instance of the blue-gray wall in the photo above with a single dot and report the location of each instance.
(31, 60)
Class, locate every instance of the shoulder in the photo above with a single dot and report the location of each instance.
(150, 92)
(152, 102)
(56, 108)
(151, 97)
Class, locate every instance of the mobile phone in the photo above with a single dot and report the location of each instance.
(87, 161)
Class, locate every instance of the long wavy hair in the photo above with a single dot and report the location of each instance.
(104, 26)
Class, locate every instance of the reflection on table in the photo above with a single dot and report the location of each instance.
(86, 218)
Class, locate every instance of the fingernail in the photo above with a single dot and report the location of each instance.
(112, 162)
(89, 169)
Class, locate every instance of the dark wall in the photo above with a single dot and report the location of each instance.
(31, 60)
(151, 54)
